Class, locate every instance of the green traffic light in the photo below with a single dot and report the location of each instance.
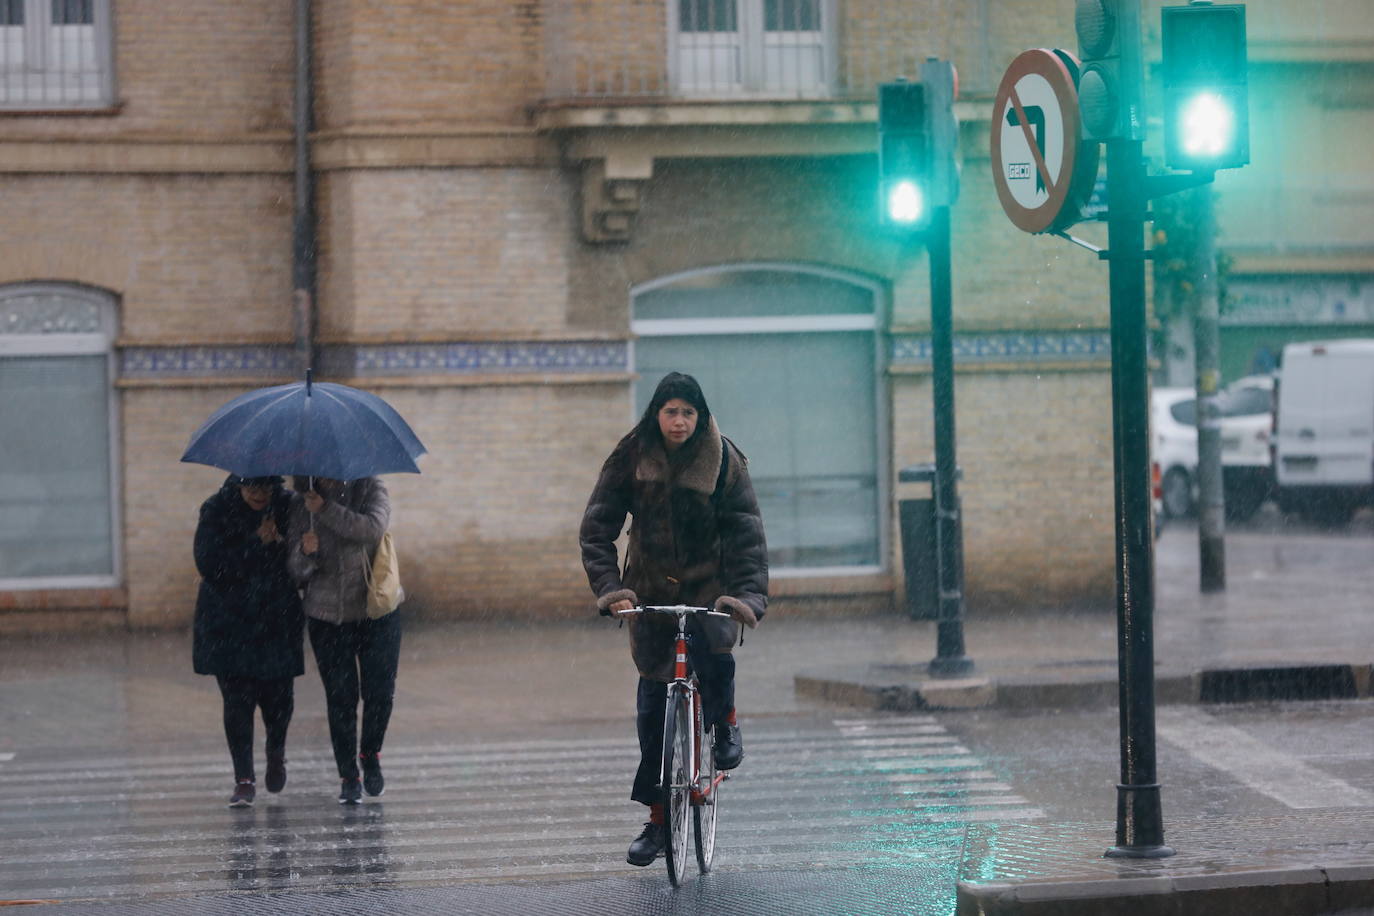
(1208, 125)
(1205, 79)
(905, 203)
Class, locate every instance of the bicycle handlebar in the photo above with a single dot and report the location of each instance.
(676, 609)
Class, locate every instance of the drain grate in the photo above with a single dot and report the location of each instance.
(1308, 682)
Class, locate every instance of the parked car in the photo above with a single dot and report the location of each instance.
(1324, 429)
(1247, 464)
(1246, 417)
(1173, 438)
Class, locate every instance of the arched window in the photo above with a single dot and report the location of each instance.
(57, 438)
(787, 356)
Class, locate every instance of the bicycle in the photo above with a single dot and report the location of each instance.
(688, 776)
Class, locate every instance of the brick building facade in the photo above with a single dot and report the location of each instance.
(513, 199)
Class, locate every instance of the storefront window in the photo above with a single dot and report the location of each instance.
(57, 496)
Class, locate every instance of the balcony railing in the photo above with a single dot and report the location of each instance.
(737, 49)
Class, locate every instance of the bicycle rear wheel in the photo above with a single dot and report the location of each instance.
(677, 778)
(704, 814)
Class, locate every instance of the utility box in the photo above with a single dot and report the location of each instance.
(920, 555)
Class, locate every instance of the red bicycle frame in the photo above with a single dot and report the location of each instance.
(701, 795)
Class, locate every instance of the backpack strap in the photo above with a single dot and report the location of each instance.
(725, 446)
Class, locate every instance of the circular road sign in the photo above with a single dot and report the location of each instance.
(1036, 161)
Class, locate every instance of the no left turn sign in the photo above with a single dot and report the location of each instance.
(1039, 164)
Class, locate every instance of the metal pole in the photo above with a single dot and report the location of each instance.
(303, 242)
(949, 660)
(1211, 510)
(1139, 821)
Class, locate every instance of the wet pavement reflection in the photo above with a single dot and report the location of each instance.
(511, 749)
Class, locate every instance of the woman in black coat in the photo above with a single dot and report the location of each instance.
(248, 624)
(697, 539)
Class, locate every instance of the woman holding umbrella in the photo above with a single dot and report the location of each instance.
(335, 529)
(247, 629)
(344, 437)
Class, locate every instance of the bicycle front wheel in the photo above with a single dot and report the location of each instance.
(677, 780)
(704, 813)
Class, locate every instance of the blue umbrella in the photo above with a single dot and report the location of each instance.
(307, 429)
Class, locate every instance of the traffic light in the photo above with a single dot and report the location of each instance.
(1206, 104)
(903, 155)
(1110, 93)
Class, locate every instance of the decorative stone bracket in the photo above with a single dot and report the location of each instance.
(614, 144)
(612, 190)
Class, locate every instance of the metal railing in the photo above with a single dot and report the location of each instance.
(736, 49)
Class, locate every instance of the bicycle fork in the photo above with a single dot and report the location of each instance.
(700, 794)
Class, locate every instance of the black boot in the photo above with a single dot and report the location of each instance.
(729, 746)
(647, 846)
(373, 783)
(276, 771)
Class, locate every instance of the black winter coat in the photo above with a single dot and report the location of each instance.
(248, 613)
(691, 542)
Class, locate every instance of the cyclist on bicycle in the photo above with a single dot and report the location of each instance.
(697, 538)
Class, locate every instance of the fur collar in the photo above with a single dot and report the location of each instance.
(700, 475)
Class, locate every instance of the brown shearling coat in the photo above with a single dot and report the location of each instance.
(687, 544)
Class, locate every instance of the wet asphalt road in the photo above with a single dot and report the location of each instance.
(833, 812)
(113, 780)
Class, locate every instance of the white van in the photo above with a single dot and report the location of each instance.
(1324, 429)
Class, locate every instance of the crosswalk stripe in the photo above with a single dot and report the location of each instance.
(531, 759)
(1262, 767)
(883, 752)
(845, 791)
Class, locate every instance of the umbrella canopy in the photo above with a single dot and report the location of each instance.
(307, 429)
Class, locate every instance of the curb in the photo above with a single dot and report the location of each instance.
(1298, 891)
(909, 688)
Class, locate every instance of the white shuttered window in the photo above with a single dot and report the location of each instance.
(55, 54)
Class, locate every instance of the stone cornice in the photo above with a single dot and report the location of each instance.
(147, 154)
(615, 142)
(420, 146)
(596, 114)
(1301, 262)
(357, 148)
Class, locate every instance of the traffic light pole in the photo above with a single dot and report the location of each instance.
(949, 660)
(1211, 510)
(1139, 820)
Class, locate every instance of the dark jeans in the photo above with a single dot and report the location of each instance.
(716, 674)
(242, 695)
(357, 660)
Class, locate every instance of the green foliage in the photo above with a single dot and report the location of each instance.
(1173, 239)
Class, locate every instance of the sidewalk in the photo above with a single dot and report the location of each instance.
(1294, 623)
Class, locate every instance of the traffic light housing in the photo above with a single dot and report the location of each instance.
(1110, 84)
(917, 137)
(903, 155)
(1206, 88)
